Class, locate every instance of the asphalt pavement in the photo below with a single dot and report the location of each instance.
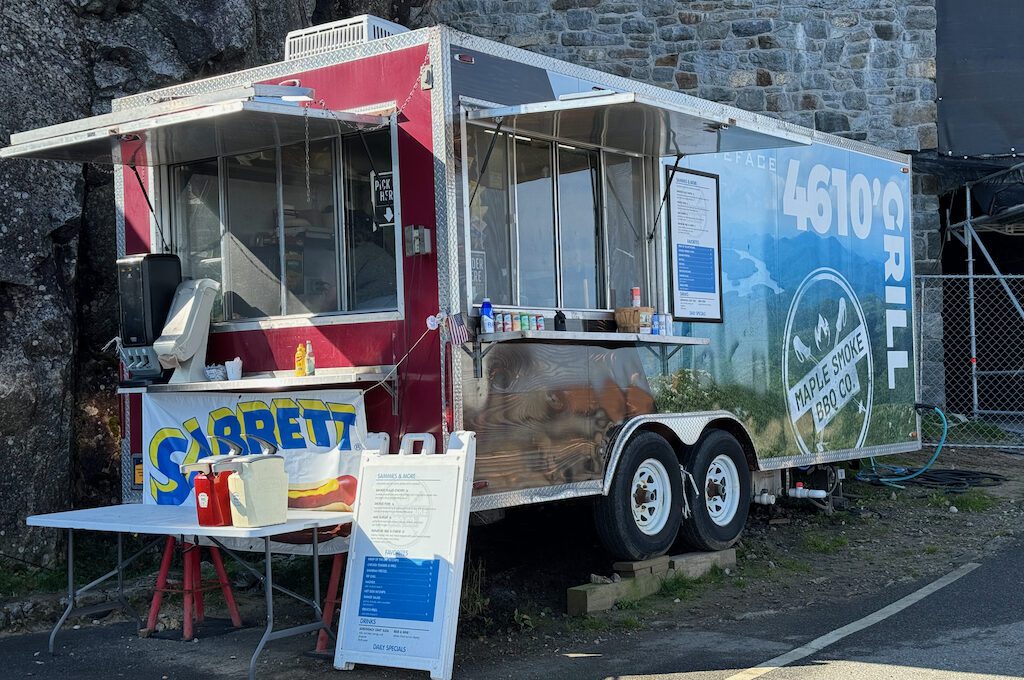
(972, 628)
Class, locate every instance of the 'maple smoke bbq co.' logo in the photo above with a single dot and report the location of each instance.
(827, 365)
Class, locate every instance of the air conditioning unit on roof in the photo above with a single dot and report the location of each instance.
(306, 42)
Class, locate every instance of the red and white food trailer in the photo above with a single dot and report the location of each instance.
(378, 177)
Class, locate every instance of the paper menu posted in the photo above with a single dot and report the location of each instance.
(696, 260)
(407, 517)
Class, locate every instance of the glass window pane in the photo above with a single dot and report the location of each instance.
(490, 262)
(310, 234)
(577, 228)
(625, 226)
(197, 224)
(536, 224)
(372, 275)
(252, 245)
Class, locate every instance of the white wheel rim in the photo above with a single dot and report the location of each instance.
(722, 490)
(651, 496)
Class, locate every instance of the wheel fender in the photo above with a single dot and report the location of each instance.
(688, 427)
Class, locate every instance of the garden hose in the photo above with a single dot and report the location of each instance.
(951, 481)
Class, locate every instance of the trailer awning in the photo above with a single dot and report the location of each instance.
(182, 130)
(632, 123)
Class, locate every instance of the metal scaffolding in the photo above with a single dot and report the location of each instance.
(986, 396)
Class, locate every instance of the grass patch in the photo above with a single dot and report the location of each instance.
(973, 500)
(823, 544)
(679, 586)
(627, 605)
(931, 549)
(593, 624)
(630, 623)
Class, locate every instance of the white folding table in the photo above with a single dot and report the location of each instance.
(170, 520)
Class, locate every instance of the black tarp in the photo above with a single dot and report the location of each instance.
(980, 77)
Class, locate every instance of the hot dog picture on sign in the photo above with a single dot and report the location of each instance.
(320, 434)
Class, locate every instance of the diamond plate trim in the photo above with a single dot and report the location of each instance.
(443, 113)
(279, 69)
(439, 133)
(129, 494)
(687, 426)
(837, 456)
(119, 209)
(698, 106)
(544, 494)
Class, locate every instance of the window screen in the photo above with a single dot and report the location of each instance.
(293, 238)
(489, 243)
(625, 225)
(553, 225)
(578, 219)
(372, 280)
(535, 223)
(197, 229)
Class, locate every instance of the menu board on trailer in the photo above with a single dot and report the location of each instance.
(400, 606)
(695, 254)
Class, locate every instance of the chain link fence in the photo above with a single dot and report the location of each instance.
(970, 353)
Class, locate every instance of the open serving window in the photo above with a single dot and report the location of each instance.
(565, 200)
(269, 198)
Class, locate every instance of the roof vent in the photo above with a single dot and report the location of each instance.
(337, 34)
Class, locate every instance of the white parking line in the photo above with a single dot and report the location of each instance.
(820, 643)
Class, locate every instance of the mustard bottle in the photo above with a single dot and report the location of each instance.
(300, 360)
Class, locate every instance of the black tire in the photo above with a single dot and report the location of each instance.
(700, 530)
(618, 530)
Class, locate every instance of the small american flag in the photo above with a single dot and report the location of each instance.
(457, 329)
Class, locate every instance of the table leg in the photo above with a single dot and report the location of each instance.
(186, 619)
(268, 591)
(316, 575)
(333, 581)
(122, 600)
(71, 589)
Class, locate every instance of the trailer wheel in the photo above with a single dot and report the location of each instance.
(639, 518)
(720, 471)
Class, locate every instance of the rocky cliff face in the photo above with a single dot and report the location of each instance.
(61, 60)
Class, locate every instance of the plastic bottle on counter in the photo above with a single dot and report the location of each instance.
(310, 359)
(486, 316)
(655, 324)
(635, 294)
(540, 322)
(300, 360)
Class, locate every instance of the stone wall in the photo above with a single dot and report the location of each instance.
(864, 69)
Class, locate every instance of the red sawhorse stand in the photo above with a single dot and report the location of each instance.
(192, 588)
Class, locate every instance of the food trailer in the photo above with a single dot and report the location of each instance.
(368, 192)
